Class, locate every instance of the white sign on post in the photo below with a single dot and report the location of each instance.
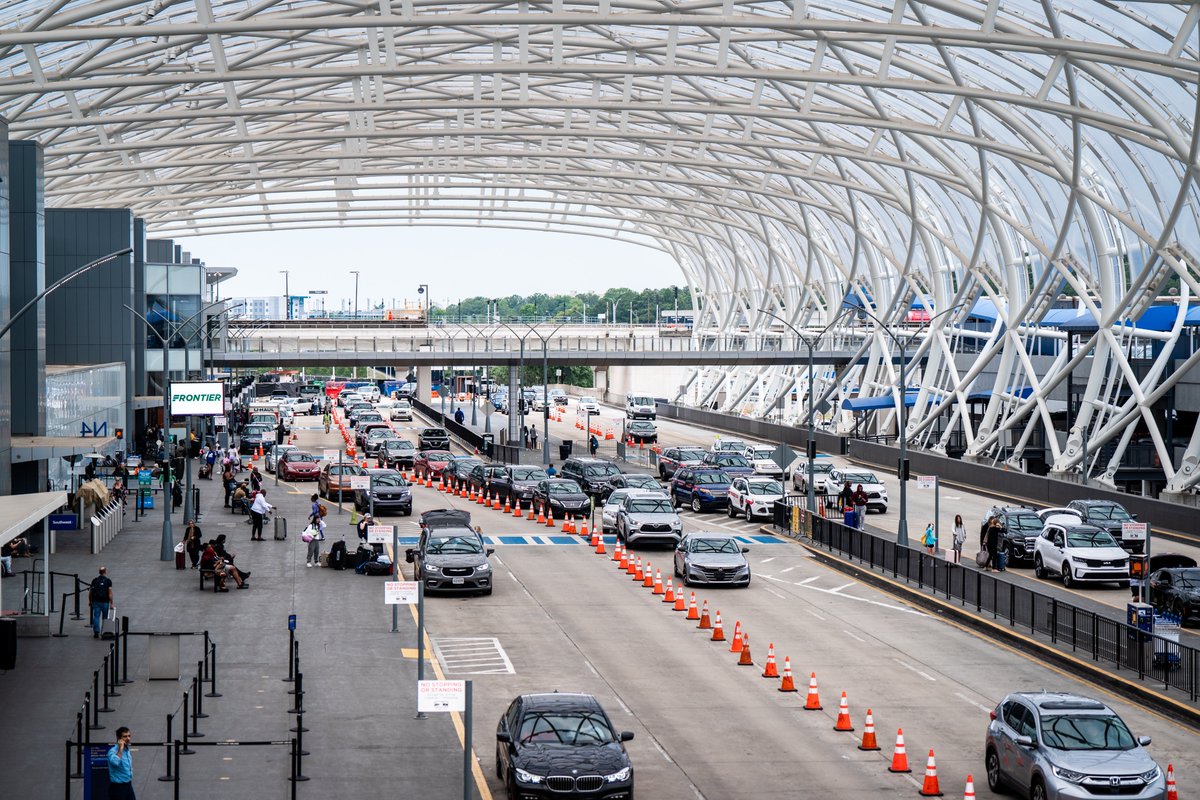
(926, 481)
(220, 422)
(1134, 531)
(441, 696)
(379, 534)
(331, 455)
(360, 482)
(400, 593)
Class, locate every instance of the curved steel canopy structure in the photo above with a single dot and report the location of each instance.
(973, 155)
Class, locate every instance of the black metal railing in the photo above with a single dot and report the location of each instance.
(1155, 659)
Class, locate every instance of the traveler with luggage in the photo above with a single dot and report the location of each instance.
(259, 510)
(100, 596)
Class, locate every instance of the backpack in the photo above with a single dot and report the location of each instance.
(321, 507)
(99, 590)
(337, 555)
(374, 568)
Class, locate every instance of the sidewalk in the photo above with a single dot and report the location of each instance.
(360, 685)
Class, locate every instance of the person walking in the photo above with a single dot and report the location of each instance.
(328, 420)
(929, 539)
(120, 767)
(258, 514)
(256, 480)
(525, 437)
(228, 478)
(859, 499)
(593, 445)
(960, 537)
(100, 596)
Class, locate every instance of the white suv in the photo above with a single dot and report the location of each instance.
(1080, 553)
(753, 496)
(640, 407)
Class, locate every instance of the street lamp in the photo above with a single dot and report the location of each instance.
(287, 296)
(423, 289)
(520, 399)
(355, 273)
(546, 391)
(902, 530)
(812, 443)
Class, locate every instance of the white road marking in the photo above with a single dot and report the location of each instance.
(838, 589)
(911, 668)
(807, 581)
(521, 586)
(969, 701)
(854, 636)
(784, 572)
(661, 752)
(815, 614)
(772, 558)
(472, 655)
(621, 703)
(777, 594)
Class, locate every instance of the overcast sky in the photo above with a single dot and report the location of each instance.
(455, 262)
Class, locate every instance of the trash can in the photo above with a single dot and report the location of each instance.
(489, 443)
(564, 449)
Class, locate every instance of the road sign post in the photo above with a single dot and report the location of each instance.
(446, 697)
(932, 482)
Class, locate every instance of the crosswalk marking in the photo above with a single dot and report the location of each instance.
(471, 655)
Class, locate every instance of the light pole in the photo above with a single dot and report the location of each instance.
(811, 450)
(423, 289)
(520, 399)
(355, 273)
(287, 296)
(546, 392)
(902, 529)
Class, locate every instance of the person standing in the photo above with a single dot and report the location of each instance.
(193, 544)
(328, 420)
(100, 595)
(960, 537)
(120, 767)
(532, 438)
(228, 478)
(258, 514)
(992, 544)
(929, 539)
(860, 507)
(316, 534)
(845, 497)
(525, 437)
(593, 445)
(255, 479)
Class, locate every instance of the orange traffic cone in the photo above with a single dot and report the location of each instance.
(680, 603)
(868, 740)
(648, 577)
(583, 528)
(496, 503)
(1172, 792)
(899, 757)
(599, 544)
(843, 718)
(631, 568)
(624, 562)
(693, 612)
(568, 526)
(530, 515)
(595, 538)
(705, 622)
(516, 509)
(789, 683)
(638, 573)
(669, 595)
(771, 670)
(969, 792)
(813, 701)
(549, 518)
(745, 660)
(930, 787)
(616, 556)
(718, 632)
(736, 645)
(507, 506)
(658, 584)
(541, 517)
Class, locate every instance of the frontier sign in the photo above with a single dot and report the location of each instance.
(197, 399)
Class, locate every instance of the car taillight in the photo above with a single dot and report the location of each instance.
(992, 715)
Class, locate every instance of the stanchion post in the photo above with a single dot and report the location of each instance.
(175, 757)
(291, 654)
(96, 690)
(195, 734)
(294, 667)
(79, 729)
(124, 633)
(62, 617)
(420, 637)
(198, 682)
(212, 676)
(114, 651)
(77, 614)
(298, 692)
(67, 773)
(170, 776)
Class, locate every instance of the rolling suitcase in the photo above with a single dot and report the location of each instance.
(337, 556)
(110, 627)
(180, 561)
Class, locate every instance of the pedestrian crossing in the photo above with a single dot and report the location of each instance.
(472, 655)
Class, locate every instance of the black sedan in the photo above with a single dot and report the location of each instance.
(642, 430)
(562, 745)
(1176, 591)
(389, 493)
(559, 497)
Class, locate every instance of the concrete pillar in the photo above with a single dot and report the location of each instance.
(514, 407)
(424, 384)
(27, 239)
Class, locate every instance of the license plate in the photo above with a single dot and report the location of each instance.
(456, 581)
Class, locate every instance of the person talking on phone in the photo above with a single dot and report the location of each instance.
(120, 767)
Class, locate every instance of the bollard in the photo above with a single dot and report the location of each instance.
(295, 666)
(62, 611)
(79, 728)
(170, 776)
(124, 633)
(297, 707)
(212, 680)
(175, 758)
(198, 683)
(291, 654)
(77, 614)
(195, 734)
(187, 750)
(297, 775)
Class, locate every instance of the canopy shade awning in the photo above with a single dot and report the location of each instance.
(878, 403)
(42, 448)
(1021, 393)
(20, 512)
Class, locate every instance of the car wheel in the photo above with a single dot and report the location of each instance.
(1037, 790)
(675, 568)
(1039, 569)
(992, 767)
(1122, 584)
(1068, 581)
(662, 473)
(675, 501)
(696, 505)
(487, 592)
(730, 511)
(749, 517)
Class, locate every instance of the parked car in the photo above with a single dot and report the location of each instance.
(877, 495)
(375, 438)
(301, 405)
(254, 437)
(708, 557)
(274, 453)
(1080, 554)
(1022, 526)
(729, 463)
(389, 492)
(481, 476)
(1051, 745)
(608, 512)
(701, 488)
(561, 496)
(752, 496)
(431, 463)
(633, 480)
(821, 467)
(1175, 589)
(762, 459)
(671, 459)
(721, 445)
(561, 745)
(402, 410)
(517, 482)
(1109, 515)
(335, 478)
(642, 430)
(648, 517)
(593, 474)
(588, 403)
(460, 466)
(396, 453)
(433, 439)
(298, 465)
(451, 558)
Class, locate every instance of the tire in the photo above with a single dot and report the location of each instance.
(1037, 790)
(730, 511)
(992, 767)
(1068, 581)
(487, 592)
(662, 473)
(1122, 584)
(746, 513)
(675, 568)
(1039, 569)
(675, 501)
(696, 508)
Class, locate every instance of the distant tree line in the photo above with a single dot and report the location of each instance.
(639, 306)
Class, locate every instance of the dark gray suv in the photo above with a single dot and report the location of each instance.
(450, 556)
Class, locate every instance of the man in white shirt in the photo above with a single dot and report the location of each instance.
(258, 512)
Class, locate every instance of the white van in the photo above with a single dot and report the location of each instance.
(640, 407)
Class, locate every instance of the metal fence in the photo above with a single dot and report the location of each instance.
(1157, 659)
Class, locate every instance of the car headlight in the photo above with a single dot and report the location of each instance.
(1069, 775)
(676, 524)
(1151, 776)
(430, 568)
(527, 777)
(484, 567)
(554, 502)
(619, 775)
(704, 492)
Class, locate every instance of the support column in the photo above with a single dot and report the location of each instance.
(424, 384)
(27, 238)
(514, 407)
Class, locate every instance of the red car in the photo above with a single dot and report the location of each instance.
(297, 465)
(431, 463)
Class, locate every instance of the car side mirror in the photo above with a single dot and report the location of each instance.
(489, 551)
(626, 736)
(1144, 740)
(745, 549)
(408, 555)
(1024, 741)
(502, 736)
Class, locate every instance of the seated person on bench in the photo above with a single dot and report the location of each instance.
(228, 557)
(212, 560)
(241, 498)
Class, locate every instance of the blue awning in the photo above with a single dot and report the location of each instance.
(984, 310)
(878, 403)
(1022, 393)
(1154, 318)
(1056, 316)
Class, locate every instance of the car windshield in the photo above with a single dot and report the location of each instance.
(370, 417)
(291, 457)
(1115, 513)
(349, 469)
(641, 425)
(649, 507)
(770, 487)
(437, 455)
(1188, 578)
(856, 478)
(820, 466)
(691, 454)
(1023, 522)
(617, 497)
(710, 478)
(641, 481)
(398, 444)
(562, 488)
(732, 461)
(601, 470)
(714, 546)
(1087, 732)
(446, 545)
(402, 404)
(528, 474)
(389, 480)
(587, 400)
(641, 401)
(252, 430)
(1081, 538)
(382, 433)
(762, 452)
(731, 444)
(578, 728)
(433, 432)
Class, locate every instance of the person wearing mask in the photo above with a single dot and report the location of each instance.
(258, 514)
(859, 499)
(960, 537)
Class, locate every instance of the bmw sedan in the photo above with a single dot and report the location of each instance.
(562, 745)
(711, 558)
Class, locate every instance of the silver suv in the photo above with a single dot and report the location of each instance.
(648, 517)
(1052, 745)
